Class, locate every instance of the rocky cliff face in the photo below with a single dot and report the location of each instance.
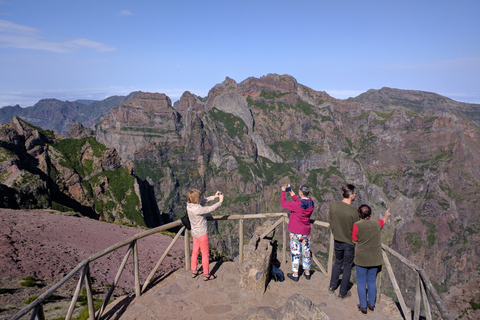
(40, 169)
(417, 153)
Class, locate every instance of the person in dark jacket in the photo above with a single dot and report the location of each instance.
(299, 226)
(368, 255)
(341, 216)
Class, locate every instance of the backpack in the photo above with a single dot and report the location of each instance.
(277, 274)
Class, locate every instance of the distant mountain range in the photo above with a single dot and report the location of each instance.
(56, 115)
(416, 152)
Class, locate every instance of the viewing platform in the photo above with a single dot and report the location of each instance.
(178, 296)
(244, 288)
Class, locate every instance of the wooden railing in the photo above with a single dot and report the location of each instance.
(423, 284)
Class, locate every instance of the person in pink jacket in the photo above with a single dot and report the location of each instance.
(196, 213)
(299, 226)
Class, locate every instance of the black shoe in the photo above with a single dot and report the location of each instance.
(371, 308)
(346, 295)
(291, 276)
(307, 276)
(331, 290)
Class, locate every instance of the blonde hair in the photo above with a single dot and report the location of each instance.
(193, 196)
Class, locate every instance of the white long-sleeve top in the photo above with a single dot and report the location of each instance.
(196, 213)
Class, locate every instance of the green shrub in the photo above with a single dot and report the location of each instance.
(326, 118)
(28, 281)
(272, 95)
(307, 108)
(30, 299)
(233, 124)
(84, 313)
(475, 305)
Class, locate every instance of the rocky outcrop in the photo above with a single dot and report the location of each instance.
(40, 169)
(143, 121)
(255, 272)
(78, 131)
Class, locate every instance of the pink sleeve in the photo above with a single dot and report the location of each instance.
(289, 205)
(354, 232)
(381, 223)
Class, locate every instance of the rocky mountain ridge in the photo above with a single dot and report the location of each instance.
(414, 152)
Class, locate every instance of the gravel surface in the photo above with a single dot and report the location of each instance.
(47, 245)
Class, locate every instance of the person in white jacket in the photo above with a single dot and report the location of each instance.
(196, 213)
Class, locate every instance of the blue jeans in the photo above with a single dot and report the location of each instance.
(344, 254)
(367, 277)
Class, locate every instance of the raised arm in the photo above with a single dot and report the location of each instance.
(385, 216)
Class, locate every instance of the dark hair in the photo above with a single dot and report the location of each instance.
(348, 190)
(305, 190)
(364, 211)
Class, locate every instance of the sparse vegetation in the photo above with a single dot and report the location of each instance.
(29, 281)
(30, 299)
(233, 124)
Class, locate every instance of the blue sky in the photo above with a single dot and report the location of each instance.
(95, 49)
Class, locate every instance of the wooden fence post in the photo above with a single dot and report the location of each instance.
(240, 242)
(115, 281)
(284, 243)
(379, 285)
(398, 292)
(330, 255)
(38, 313)
(76, 294)
(187, 250)
(418, 298)
(159, 262)
(136, 272)
(426, 304)
(88, 286)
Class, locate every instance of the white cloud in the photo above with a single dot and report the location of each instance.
(125, 13)
(18, 36)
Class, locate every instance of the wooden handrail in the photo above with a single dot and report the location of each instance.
(37, 308)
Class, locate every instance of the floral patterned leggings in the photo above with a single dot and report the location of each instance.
(300, 243)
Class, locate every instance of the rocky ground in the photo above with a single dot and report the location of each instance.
(181, 297)
(47, 245)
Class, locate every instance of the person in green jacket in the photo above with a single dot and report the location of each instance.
(341, 216)
(368, 255)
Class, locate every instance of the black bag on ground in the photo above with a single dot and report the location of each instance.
(186, 222)
(277, 274)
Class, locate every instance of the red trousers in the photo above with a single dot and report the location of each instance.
(200, 244)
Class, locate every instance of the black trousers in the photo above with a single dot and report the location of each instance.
(344, 254)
